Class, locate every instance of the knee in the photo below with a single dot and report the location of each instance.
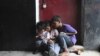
(38, 43)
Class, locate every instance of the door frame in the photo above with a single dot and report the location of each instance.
(37, 10)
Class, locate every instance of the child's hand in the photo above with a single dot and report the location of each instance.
(53, 38)
(36, 36)
(50, 41)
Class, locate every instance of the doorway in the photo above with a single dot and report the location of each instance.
(69, 10)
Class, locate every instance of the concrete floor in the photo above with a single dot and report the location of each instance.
(90, 53)
(17, 53)
(22, 53)
(85, 53)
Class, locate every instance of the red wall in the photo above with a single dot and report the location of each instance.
(67, 9)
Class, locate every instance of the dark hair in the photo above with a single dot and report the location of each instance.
(47, 23)
(40, 25)
(55, 18)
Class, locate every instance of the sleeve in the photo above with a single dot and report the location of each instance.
(69, 28)
(47, 36)
(56, 33)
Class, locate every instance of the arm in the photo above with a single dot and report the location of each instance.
(47, 36)
(67, 33)
(72, 33)
(70, 29)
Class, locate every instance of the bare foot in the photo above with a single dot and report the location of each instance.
(64, 54)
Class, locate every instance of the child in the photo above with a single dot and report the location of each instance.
(41, 37)
(65, 40)
(53, 46)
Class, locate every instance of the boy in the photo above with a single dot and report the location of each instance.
(53, 46)
(41, 37)
(67, 36)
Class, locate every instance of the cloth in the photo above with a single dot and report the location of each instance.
(54, 33)
(45, 36)
(64, 41)
(68, 29)
(54, 49)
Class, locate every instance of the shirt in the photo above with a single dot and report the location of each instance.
(68, 29)
(45, 36)
(54, 33)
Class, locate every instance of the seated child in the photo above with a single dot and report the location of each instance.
(54, 48)
(41, 37)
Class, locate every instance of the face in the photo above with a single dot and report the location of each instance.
(41, 31)
(48, 28)
(56, 24)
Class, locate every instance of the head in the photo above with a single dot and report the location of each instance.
(56, 21)
(40, 27)
(47, 26)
